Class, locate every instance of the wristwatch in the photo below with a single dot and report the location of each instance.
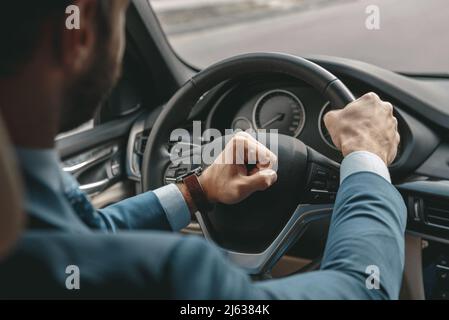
(193, 185)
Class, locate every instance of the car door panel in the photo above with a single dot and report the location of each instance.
(97, 159)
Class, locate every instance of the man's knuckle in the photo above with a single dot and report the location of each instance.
(395, 120)
(241, 134)
(237, 189)
(388, 108)
(370, 96)
(388, 105)
(267, 182)
(238, 138)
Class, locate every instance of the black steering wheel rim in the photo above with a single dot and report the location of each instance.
(176, 112)
(180, 105)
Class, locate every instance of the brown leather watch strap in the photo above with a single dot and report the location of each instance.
(197, 193)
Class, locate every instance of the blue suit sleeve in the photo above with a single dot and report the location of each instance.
(141, 212)
(175, 207)
(162, 209)
(367, 229)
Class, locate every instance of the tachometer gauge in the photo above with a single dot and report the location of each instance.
(322, 127)
(281, 110)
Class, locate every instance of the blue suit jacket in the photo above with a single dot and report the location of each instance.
(367, 228)
(48, 208)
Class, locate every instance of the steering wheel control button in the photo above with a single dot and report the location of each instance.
(321, 174)
(322, 196)
(170, 174)
(175, 172)
(320, 185)
(332, 185)
(181, 171)
(323, 184)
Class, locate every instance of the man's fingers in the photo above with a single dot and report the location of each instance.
(259, 181)
(250, 151)
(389, 107)
(395, 121)
(370, 96)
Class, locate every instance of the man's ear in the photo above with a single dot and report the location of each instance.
(79, 35)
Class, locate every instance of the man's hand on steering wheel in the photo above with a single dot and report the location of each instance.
(229, 180)
(367, 124)
(257, 228)
(244, 167)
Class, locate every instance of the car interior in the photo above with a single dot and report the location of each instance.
(12, 223)
(124, 150)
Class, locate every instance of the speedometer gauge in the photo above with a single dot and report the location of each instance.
(281, 110)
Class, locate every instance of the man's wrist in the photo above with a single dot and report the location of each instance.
(188, 198)
(195, 189)
(173, 202)
(363, 161)
(347, 151)
(203, 179)
(194, 193)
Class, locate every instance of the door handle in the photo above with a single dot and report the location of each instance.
(79, 168)
(95, 187)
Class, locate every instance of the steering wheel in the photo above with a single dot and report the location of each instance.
(255, 233)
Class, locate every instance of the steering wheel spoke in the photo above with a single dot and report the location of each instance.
(258, 231)
(181, 159)
(262, 262)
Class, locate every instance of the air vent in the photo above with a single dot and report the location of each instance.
(436, 213)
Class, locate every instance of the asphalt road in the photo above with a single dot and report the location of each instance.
(413, 35)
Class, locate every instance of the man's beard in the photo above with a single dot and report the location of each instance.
(88, 91)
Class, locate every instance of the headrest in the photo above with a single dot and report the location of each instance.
(11, 213)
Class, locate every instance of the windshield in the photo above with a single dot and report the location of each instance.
(410, 36)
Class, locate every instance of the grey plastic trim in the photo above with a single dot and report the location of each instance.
(260, 263)
(132, 171)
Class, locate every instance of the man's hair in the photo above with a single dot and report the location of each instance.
(21, 25)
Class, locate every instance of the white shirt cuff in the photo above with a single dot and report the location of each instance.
(363, 161)
(174, 205)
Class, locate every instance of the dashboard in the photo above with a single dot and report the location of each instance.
(296, 109)
(284, 110)
(420, 172)
(284, 105)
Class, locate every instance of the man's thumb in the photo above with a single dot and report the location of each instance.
(262, 180)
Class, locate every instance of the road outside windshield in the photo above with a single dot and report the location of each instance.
(410, 36)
